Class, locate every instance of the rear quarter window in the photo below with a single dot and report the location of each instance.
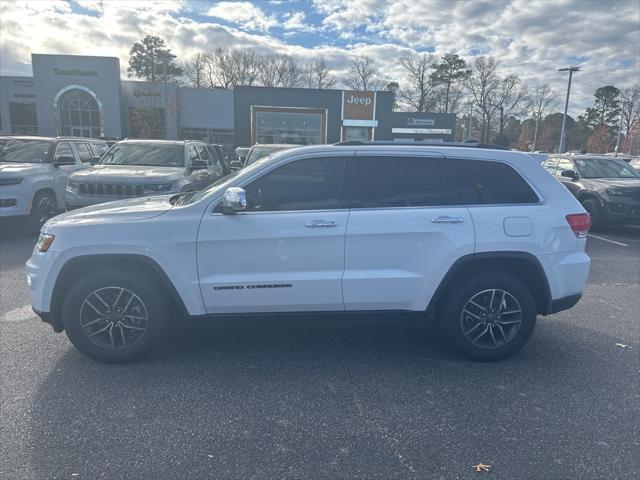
(481, 182)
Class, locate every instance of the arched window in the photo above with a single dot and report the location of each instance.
(79, 112)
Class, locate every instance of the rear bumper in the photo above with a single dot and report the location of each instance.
(561, 304)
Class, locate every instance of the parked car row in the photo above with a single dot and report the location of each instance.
(607, 187)
(41, 176)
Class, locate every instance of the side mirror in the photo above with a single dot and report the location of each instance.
(236, 165)
(234, 200)
(95, 160)
(64, 161)
(569, 174)
(198, 165)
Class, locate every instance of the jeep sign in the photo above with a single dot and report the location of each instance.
(357, 105)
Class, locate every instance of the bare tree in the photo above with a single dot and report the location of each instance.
(279, 71)
(483, 85)
(510, 99)
(194, 69)
(630, 110)
(543, 100)
(318, 75)
(364, 75)
(418, 93)
(229, 68)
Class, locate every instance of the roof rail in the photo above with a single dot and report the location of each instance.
(351, 143)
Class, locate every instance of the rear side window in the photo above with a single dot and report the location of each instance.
(401, 182)
(488, 183)
(84, 152)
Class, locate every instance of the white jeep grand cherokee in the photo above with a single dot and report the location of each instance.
(481, 239)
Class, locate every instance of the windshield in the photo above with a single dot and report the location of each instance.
(221, 183)
(158, 155)
(24, 151)
(257, 153)
(605, 168)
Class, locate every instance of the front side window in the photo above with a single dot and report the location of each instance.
(309, 184)
(64, 150)
(483, 182)
(23, 151)
(401, 182)
(605, 168)
(168, 155)
(203, 153)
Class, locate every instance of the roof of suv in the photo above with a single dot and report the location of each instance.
(353, 143)
(162, 142)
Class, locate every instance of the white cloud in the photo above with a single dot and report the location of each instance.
(296, 21)
(530, 38)
(244, 14)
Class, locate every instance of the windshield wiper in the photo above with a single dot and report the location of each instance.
(181, 198)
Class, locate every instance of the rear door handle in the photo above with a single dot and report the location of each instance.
(321, 224)
(447, 219)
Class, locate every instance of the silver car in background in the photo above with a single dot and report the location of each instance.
(135, 168)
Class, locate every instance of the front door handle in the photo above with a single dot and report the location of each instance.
(447, 219)
(321, 224)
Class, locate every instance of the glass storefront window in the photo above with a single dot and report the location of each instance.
(301, 128)
(23, 117)
(78, 114)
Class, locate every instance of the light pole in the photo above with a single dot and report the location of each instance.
(566, 104)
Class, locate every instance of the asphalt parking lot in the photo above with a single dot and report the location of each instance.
(337, 397)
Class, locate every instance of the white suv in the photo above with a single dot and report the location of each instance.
(481, 239)
(34, 171)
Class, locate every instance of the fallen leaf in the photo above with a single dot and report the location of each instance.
(210, 456)
(481, 467)
(622, 345)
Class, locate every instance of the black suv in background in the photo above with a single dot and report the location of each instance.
(607, 187)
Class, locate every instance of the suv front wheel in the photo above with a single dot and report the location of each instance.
(488, 317)
(114, 316)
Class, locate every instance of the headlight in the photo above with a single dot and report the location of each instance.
(44, 242)
(614, 193)
(158, 187)
(11, 181)
(73, 186)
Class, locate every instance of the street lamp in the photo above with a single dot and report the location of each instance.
(566, 104)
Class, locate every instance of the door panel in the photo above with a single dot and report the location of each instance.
(271, 261)
(395, 258)
(402, 235)
(286, 253)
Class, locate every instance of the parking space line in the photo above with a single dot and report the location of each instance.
(607, 240)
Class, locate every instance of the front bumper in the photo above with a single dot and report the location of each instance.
(621, 210)
(14, 201)
(46, 317)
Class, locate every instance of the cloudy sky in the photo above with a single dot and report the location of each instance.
(529, 37)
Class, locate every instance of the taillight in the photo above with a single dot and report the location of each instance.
(580, 223)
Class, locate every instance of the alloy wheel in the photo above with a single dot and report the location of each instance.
(114, 318)
(491, 319)
(44, 209)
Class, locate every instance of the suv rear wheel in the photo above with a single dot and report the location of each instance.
(114, 316)
(488, 317)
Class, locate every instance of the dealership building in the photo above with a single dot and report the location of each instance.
(84, 96)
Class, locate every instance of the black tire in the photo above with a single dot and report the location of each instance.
(132, 338)
(504, 336)
(44, 207)
(593, 209)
